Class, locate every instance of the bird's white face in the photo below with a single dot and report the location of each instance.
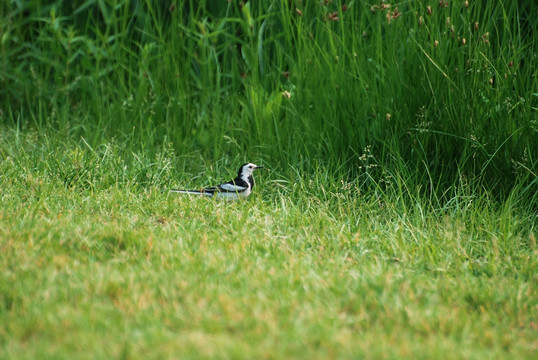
(248, 169)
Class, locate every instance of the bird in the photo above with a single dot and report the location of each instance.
(235, 189)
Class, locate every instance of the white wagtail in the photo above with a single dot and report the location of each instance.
(238, 188)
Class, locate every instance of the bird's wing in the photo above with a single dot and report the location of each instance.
(233, 186)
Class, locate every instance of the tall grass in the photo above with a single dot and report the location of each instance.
(436, 91)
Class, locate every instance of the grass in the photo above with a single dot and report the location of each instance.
(129, 271)
(396, 218)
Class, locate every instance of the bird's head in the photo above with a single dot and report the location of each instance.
(246, 170)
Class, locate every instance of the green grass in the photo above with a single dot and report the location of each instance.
(396, 217)
(112, 269)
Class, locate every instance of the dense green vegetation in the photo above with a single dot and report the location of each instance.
(397, 218)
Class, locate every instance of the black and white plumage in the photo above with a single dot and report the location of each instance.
(238, 188)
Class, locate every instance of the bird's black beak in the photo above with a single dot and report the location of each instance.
(259, 167)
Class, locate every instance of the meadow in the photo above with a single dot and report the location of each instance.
(395, 218)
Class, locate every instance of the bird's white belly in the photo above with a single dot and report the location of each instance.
(233, 195)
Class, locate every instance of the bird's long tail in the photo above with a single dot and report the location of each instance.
(193, 192)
